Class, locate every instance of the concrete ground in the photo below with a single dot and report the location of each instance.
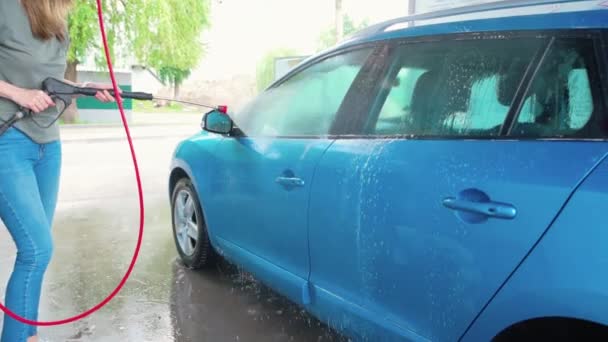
(95, 235)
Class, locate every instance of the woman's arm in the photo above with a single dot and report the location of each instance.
(7, 90)
(35, 100)
(73, 83)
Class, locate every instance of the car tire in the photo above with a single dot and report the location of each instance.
(189, 227)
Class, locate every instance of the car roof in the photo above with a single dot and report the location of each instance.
(491, 17)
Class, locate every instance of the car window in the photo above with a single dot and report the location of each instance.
(560, 101)
(453, 88)
(395, 110)
(306, 104)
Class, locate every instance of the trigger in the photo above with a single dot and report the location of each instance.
(66, 100)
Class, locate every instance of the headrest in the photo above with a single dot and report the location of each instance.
(423, 90)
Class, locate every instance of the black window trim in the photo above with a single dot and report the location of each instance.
(601, 59)
(354, 109)
(597, 35)
(524, 87)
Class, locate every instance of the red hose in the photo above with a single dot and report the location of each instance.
(134, 157)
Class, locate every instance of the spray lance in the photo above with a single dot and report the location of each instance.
(63, 93)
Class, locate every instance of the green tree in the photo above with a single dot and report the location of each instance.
(167, 32)
(84, 34)
(84, 31)
(329, 37)
(265, 68)
(174, 76)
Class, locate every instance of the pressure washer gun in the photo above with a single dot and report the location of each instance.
(63, 92)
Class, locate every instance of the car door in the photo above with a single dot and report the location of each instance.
(464, 162)
(258, 203)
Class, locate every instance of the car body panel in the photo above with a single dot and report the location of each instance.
(193, 157)
(284, 282)
(554, 20)
(565, 275)
(383, 239)
(248, 206)
(352, 319)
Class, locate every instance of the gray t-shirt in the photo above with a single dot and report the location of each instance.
(25, 62)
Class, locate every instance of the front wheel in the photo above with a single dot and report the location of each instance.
(189, 228)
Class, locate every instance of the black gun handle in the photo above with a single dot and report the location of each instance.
(135, 95)
(125, 94)
(87, 91)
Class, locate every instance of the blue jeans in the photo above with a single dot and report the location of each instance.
(29, 183)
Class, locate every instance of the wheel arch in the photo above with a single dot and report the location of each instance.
(535, 310)
(181, 169)
(176, 174)
(554, 328)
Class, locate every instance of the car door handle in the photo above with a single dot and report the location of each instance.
(290, 181)
(489, 209)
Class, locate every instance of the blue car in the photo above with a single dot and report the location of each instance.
(441, 177)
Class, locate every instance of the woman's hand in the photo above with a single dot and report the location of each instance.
(35, 100)
(103, 95)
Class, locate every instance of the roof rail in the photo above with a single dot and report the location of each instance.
(497, 5)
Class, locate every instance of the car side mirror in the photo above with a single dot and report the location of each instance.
(216, 121)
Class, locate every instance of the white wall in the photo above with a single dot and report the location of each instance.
(95, 115)
(144, 80)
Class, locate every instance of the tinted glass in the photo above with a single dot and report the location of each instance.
(453, 88)
(560, 102)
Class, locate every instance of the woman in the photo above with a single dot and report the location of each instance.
(33, 46)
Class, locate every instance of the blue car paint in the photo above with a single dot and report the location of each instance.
(267, 219)
(402, 274)
(565, 275)
(390, 244)
(196, 158)
(555, 21)
(193, 157)
(287, 283)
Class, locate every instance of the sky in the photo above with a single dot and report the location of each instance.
(243, 31)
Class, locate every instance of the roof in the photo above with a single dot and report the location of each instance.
(511, 15)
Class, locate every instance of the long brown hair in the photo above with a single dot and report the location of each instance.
(47, 17)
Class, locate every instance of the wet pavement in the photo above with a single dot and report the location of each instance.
(95, 235)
